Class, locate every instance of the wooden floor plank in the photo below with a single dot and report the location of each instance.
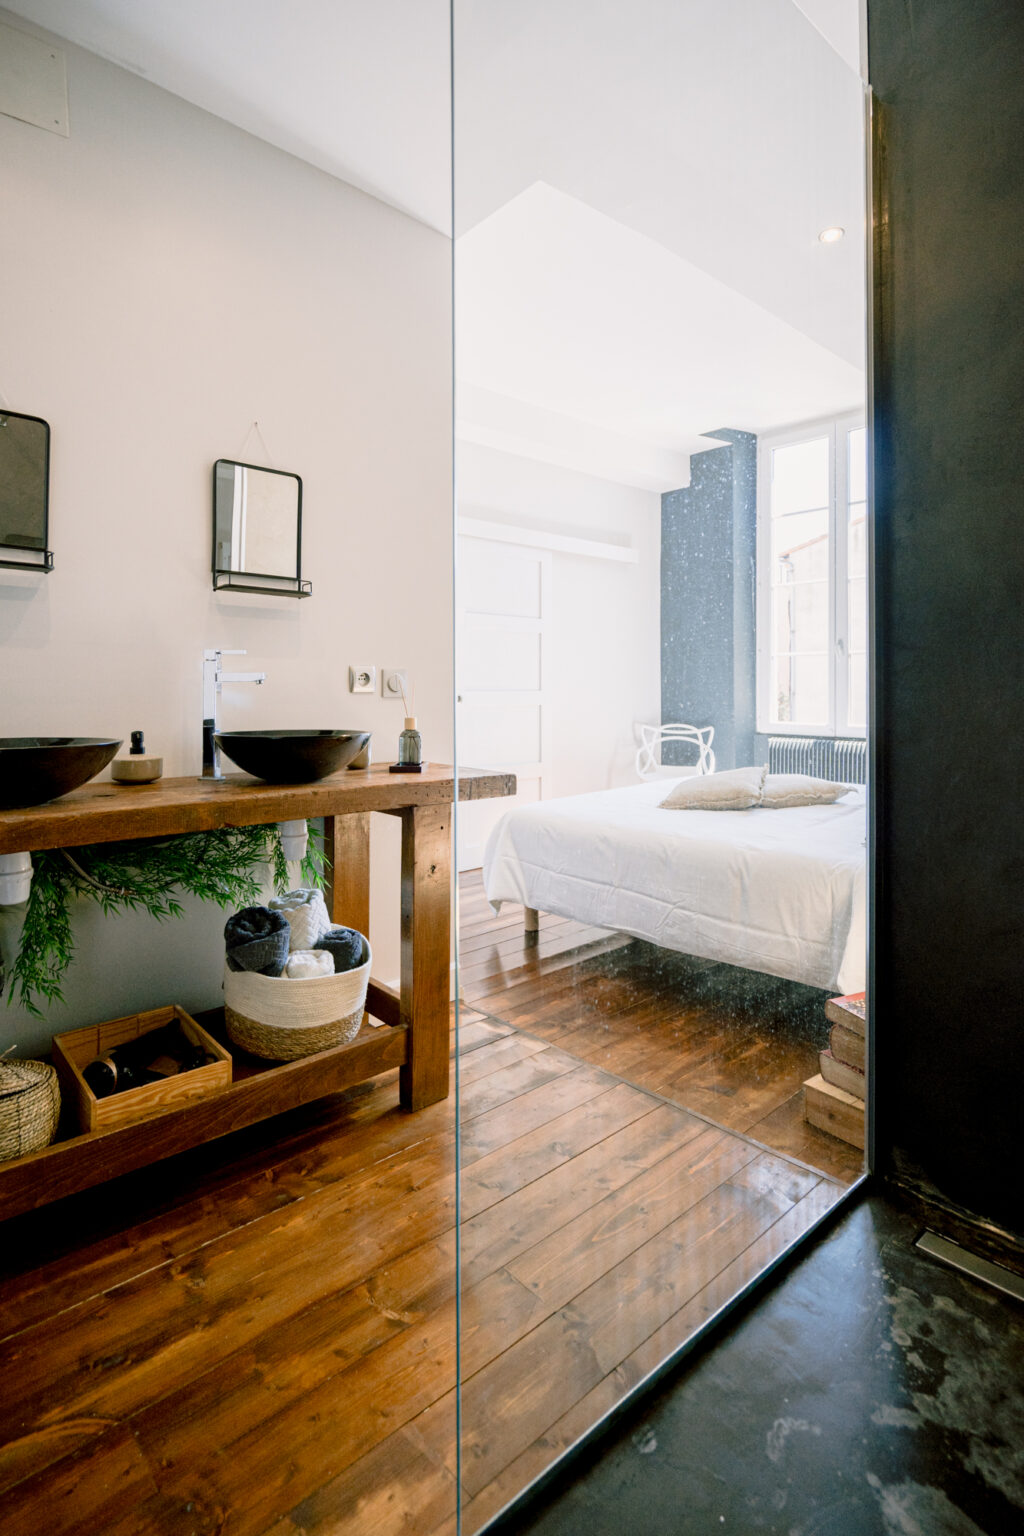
(258, 1339)
(295, 1251)
(330, 1142)
(108, 1487)
(477, 990)
(786, 1129)
(562, 1435)
(397, 1489)
(515, 1400)
(625, 1306)
(502, 1231)
(733, 1046)
(506, 1122)
(520, 1162)
(583, 1249)
(511, 1082)
(505, 962)
(730, 1281)
(492, 1058)
(474, 1031)
(254, 1385)
(325, 1432)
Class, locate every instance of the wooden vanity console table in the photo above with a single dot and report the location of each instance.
(416, 1015)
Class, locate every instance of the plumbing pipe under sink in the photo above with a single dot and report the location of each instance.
(15, 878)
(294, 839)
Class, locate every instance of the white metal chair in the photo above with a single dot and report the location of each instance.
(648, 758)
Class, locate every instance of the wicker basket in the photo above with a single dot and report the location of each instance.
(282, 1020)
(29, 1107)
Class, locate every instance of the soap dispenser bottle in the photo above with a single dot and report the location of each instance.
(139, 767)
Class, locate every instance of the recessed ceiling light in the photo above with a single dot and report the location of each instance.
(831, 235)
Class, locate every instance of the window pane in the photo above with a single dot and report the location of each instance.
(801, 689)
(857, 705)
(857, 541)
(801, 617)
(800, 545)
(857, 464)
(857, 620)
(800, 477)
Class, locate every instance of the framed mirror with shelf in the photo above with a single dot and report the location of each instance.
(24, 492)
(257, 530)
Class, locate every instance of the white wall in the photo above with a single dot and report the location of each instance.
(603, 666)
(168, 280)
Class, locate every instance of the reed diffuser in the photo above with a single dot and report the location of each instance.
(410, 743)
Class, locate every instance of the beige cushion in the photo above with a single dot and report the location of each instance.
(735, 790)
(782, 790)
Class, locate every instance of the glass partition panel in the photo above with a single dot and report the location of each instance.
(233, 1267)
(661, 515)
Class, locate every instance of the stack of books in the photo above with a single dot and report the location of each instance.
(834, 1101)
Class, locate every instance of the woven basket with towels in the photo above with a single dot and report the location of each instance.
(283, 1020)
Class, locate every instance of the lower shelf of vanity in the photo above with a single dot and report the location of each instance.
(259, 1090)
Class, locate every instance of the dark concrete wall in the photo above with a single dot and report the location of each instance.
(949, 421)
(708, 535)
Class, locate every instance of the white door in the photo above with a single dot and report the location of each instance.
(501, 612)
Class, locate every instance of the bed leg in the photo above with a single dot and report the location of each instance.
(531, 919)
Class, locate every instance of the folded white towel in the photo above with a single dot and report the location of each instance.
(306, 912)
(304, 963)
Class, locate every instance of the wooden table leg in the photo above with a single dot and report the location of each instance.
(426, 952)
(347, 893)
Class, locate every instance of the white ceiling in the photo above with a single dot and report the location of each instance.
(727, 130)
(356, 87)
(639, 189)
(723, 135)
(635, 340)
(842, 25)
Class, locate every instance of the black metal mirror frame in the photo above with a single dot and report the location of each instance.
(34, 559)
(261, 581)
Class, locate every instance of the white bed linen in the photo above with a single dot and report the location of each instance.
(775, 891)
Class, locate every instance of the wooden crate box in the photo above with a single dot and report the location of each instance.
(74, 1050)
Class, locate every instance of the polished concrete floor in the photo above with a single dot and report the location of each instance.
(871, 1392)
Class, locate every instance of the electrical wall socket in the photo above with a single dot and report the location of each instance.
(362, 679)
(392, 683)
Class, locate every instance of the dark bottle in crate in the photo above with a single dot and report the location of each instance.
(160, 1053)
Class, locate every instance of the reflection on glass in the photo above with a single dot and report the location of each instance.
(858, 473)
(801, 582)
(857, 587)
(643, 988)
(800, 544)
(24, 490)
(800, 477)
(815, 600)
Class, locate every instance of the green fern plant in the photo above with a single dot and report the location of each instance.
(149, 876)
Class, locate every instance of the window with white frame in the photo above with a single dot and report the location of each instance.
(812, 579)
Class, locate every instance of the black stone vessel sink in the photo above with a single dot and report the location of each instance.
(34, 769)
(291, 757)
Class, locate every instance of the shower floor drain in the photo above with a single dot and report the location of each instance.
(971, 1264)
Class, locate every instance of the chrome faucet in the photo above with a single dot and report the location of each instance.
(213, 677)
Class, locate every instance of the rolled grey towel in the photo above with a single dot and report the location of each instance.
(257, 940)
(345, 945)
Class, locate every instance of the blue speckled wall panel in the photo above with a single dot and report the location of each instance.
(707, 598)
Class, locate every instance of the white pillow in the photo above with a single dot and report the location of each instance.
(735, 790)
(783, 790)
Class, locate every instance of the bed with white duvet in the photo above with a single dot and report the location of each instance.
(779, 891)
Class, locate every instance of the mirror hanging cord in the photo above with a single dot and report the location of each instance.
(263, 444)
